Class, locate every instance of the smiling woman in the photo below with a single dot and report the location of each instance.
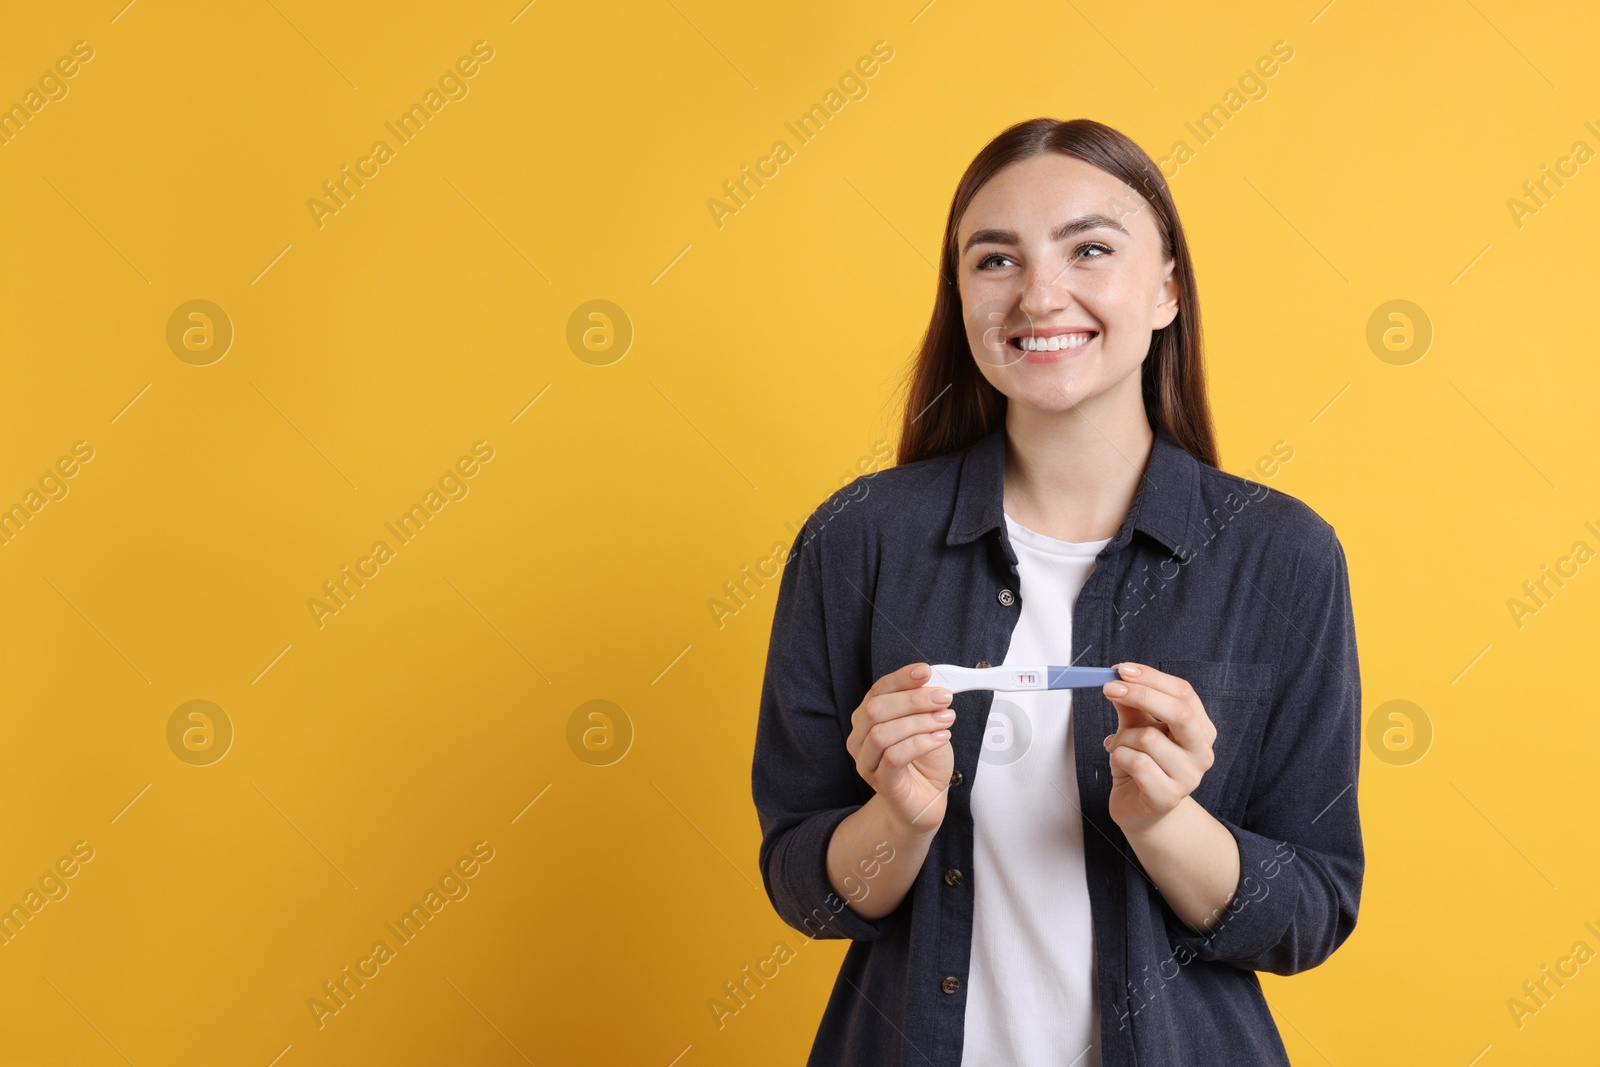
(1057, 500)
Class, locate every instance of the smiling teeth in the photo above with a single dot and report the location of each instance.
(1054, 344)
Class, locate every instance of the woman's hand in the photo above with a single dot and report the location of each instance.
(900, 738)
(1162, 747)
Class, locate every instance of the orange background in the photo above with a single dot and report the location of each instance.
(738, 374)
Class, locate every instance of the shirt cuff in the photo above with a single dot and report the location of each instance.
(800, 867)
(1263, 907)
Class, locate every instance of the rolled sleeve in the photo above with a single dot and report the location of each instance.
(1301, 860)
(794, 869)
(803, 778)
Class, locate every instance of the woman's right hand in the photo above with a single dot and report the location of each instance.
(900, 738)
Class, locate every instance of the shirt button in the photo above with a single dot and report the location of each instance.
(950, 984)
(1007, 597)
(983, 664)
(956, 778)
(952, 877)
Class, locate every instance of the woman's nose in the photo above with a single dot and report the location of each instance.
(1044, 290)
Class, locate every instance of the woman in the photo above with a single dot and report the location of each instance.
(1067, 877)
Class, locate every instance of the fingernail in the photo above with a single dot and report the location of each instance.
(919, 673)
(944, 716)
(1116, 689)
(1128, 670)
(941, 696)
(1106, 744)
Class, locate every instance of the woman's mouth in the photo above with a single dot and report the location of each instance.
(1051, 349)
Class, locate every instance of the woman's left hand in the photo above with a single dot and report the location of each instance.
(1162, 747)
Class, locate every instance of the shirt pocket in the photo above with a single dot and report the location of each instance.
(1236, 697)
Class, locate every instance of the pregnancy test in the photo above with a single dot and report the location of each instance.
(1016, 679)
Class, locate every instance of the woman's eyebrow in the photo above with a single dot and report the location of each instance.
(1060, 233)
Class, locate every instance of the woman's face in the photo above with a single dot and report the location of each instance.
(1051, 251)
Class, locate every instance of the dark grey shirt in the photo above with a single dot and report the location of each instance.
(1240, 589)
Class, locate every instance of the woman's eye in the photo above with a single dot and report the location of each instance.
(1087, 250)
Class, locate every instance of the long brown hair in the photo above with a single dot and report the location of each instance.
(950, 405)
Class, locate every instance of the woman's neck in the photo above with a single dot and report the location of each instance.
(1073, 479)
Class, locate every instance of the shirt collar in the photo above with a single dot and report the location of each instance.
(1161, 508)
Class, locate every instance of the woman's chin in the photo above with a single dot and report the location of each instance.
(1053, 398)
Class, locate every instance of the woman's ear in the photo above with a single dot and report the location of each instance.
(1166, 308)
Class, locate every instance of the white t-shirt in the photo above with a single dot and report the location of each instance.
(1031, 997)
